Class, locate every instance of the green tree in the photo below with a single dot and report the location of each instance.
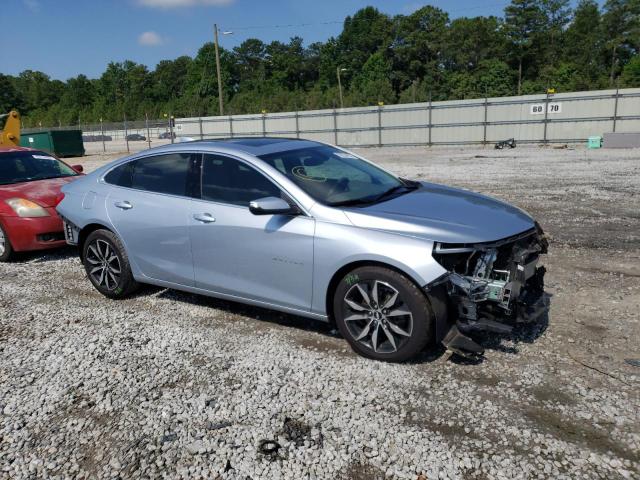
(372, 84)
(524, 20)
(631, 73)
(583, 45)
(621, 28)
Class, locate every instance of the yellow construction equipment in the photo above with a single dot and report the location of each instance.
(10, 136)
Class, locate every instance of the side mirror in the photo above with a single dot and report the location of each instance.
(78, 168)
(272, 206)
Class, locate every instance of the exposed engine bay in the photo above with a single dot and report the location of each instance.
(491, 286)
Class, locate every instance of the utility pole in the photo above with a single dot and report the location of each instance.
(338, 70)
(215, 35)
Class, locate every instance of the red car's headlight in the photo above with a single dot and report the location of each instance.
(26, 208)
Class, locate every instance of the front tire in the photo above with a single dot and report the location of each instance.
(6, 250)
(382, 314)
(107, 265)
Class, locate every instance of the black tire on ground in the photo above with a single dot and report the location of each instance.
(7, 255)
(107, 264)
(419, 325)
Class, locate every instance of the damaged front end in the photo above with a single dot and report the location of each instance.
(490, 287)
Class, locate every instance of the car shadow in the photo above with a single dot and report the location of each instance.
(40, 256)
(522, 333)
(252, 312)
(508, 343)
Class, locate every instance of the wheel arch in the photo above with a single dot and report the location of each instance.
(88, 230)
(435, 297)
(342, 271)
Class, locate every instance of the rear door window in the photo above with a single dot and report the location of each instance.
(168, 174)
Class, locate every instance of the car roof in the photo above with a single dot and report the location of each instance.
(7, 148)
(255, 146)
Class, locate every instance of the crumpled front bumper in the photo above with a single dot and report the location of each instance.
(490, 287)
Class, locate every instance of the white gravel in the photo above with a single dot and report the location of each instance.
(173, 385)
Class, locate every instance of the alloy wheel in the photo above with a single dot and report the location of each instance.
(377, 317)
(104, 264)
(3, 243)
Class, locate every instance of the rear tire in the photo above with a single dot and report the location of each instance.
(6, 250)
(382, 314)
(107, 265)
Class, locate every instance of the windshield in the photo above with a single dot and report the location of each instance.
(17, 167)
(334, 177)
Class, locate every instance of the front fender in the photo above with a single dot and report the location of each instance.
(338, 245)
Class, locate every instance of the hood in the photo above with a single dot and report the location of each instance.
(444, 214)
(45, 193)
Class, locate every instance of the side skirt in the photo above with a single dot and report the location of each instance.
(234, 298)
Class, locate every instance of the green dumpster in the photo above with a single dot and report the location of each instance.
(594, 142)
(63, 143)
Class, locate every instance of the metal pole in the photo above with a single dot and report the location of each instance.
(264, 124)
(546, 116)
(215, 34)
(297, 125)
(335, 127)
(126, 134)
(104, 148)
(146, 122)
(340, 87)
(484, 133)
(200, 124)
(231, 125)
(615, 109)
(171, 127)
(379, 125)
(430, 108)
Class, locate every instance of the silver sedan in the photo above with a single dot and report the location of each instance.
(313, 230)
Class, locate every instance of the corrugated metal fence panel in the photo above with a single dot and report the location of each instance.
(568, 117)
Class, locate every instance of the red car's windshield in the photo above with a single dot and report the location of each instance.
(17, 167)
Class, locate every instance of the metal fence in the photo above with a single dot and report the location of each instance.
(119, 137)
(548, 118)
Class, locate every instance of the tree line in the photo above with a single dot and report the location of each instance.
(536, 45)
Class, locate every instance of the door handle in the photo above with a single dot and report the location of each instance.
(204, 217)
(124, 205)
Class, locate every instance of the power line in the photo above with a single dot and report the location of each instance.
(291, 25)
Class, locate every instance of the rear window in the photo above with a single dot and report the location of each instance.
(120, 176)
(162, 173)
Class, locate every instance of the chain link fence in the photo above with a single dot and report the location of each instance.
(120, 137)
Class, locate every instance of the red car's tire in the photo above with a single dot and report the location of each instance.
(6, 250)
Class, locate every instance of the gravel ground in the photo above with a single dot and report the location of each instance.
(168, 384)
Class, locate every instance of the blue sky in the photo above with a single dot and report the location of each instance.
(66, 37)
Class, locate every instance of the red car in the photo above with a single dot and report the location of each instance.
(30, 182)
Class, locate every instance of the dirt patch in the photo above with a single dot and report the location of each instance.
(577, 432)
(547, 393)
(363, 471)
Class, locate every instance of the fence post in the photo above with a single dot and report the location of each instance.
(546, 116)
(200, 125)
(104, 148)
(615, 109)
(484, 133)
(264, 124)
(297, 124)
(430, 108)
(335, 126)
(146, 123)
(171, 127)
(126, 133)
(379, 125)
(231, 125)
